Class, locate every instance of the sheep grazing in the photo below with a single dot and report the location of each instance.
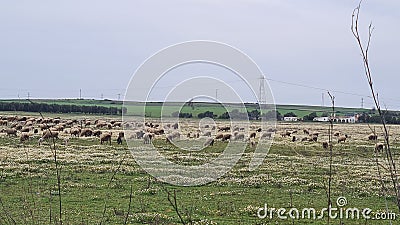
(24, 137)
(271, 130)
(224, 129)
(252, 144)
(119, 140)
(87, 132)
(40, 141)
(294, 139)
(25, 129)
(35, 131)
(50, 134)
(106, 137)
(286, 133)
(294, 132)
(226, 137)
(188, 135)
(315, 134)
(3, 122)
(75, 132)
(158, 131)
(97, 133)
(252, 135)
(325, 145)
(304, 139)
(147, 138)
(219, 136)
(259, 130)
(315, 138)
(266, 135)
(175, 126)
(10, 131)
(379, 147)
(305, 131)
(209, 142)
(239, 136)
(373, 137)
(336, 134)
(207, 134)
(342, 139)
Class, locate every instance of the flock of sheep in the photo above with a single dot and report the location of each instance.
(45, 128)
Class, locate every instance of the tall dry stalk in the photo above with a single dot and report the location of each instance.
(364, 54)
(58, 169)
(330, 135)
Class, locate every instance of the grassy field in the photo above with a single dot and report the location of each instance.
(96, 181)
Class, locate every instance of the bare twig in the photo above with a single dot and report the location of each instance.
(129, 206)
(375, 96)
(173, 203)
(58, 170)
(330, 135)
(108, 186)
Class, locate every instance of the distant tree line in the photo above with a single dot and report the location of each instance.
(57, 108)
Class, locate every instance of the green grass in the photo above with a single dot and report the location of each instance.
(292, 175)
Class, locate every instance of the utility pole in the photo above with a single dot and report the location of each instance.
(119, 96)
(216, 95)
(323, 100)
(261, 97)
(29, 95)
(102, 97)
(80, 93)
(362, 103)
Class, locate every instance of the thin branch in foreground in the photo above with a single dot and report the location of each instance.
(375, 96)
(129, 206)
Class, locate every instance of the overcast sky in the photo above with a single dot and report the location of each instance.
(51, 49)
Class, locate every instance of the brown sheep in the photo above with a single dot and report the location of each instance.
(50, 134)
(75, 132)
(224, 129)
(342, 139)
(379, 147)
(207, 134)
(97, 133)
(325, 145)
(106, 137)
(315, 138)
(266, 135)
(25, 129)
(10, 131)
(373, 137)
(219, 136)
(24, 137)
(226, 137)
(239, 137)
(87, 132)
(147, 138)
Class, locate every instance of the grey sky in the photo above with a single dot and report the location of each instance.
(51, 49)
